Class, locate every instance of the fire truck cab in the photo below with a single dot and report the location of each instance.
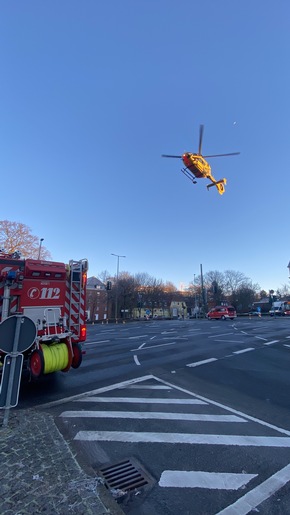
(52, 295)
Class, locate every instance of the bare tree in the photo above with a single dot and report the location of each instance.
(17, 237)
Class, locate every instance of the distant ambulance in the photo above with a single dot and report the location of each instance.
(280, 308)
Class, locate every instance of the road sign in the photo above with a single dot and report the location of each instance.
(5, 402)
(26, 337)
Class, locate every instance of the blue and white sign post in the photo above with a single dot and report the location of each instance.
(17, 334)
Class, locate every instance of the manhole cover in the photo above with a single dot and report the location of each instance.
(126, 476)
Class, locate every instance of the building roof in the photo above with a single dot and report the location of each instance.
(93, 283)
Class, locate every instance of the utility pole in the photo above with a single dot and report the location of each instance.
(202, 292)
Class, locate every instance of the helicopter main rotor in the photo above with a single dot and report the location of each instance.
(201, 130)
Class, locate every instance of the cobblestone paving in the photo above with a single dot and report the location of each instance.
(38, 472)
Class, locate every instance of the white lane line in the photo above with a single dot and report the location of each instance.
(136, 360)
(186, 438)
(209, 480)
(244, 350)
(142, 345)
(147, 387)
(153, 346)
(218, 335)
(175, 338)
(223, 406)
(270, 343)
(99, 341)
(109, 388)
(256, 496)
(203, 362)
(260, 338)
(136, 337)
(141, 400)
(155, 415)
(230, 341)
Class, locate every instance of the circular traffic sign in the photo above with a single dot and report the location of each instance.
(27, 334)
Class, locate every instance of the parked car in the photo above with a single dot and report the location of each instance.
(222, 313)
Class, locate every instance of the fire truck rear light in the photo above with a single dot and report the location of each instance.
(83, 333)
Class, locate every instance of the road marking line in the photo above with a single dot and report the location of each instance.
(217, 335)
(141, 400)
(230, 341)
(155, 415)
(153, 346)
(98, 390)
(99, 341)
(186, 438)
(209, 480)
(147, 387)
(137, 360)
(255, 497)
(223, 406)
(244, 350)
(270, 343)
(203, 362)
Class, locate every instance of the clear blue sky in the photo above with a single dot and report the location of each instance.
(93, 92)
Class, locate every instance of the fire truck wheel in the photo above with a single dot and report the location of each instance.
(36, 364)
(77, 356)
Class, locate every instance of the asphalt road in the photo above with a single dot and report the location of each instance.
(203, 406)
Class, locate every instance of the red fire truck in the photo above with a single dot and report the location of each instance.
(52, 295)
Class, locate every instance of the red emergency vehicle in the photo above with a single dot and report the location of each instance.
(53, 296)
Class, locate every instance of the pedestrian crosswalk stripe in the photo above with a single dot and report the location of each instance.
(198, 479)
(141, 400)
(155, 415)
(186, 438)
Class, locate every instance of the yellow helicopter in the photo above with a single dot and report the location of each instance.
(196, 167)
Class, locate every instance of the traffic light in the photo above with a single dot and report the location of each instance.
(109, 285)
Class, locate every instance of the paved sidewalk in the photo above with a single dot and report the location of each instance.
(39, 474)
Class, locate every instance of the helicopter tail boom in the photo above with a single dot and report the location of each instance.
(220, 185)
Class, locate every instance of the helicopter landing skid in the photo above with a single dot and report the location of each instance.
(188, 175)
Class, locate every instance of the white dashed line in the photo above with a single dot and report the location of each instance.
(244, 350)
(203, 362)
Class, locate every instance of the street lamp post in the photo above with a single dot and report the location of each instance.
(117, 279)
(39, 250)
(195, 310)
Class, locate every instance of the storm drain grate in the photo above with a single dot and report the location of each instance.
(126, 475)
